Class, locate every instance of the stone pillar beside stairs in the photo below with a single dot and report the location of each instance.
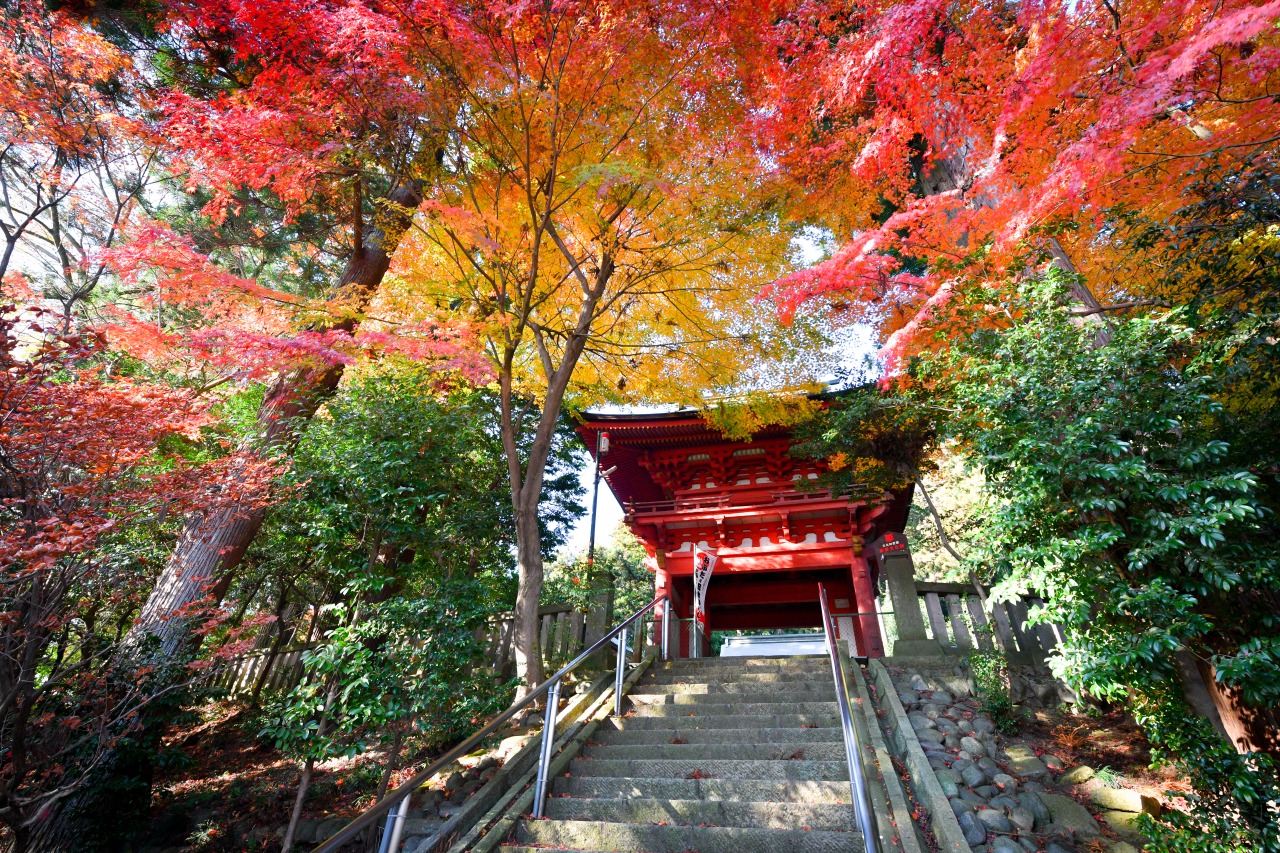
(899, 571)
(600, 617)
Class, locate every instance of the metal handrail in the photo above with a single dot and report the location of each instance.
(551, 687)
(862, 811)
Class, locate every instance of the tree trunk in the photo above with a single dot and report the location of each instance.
(1081, 291)
(1196, 692)
(525, 495)
(211, 546)
(308, 771)
(527, 490)
(303, 784)
(528, 656)
(393, 760)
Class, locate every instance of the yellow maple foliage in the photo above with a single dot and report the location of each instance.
(601, 224)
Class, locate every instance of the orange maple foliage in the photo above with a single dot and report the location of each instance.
(600, 217)
(56, 71)
(939, 140)
(311, 111)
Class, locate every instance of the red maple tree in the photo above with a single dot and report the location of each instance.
(316, 113)
(939, 140)
(84, 466)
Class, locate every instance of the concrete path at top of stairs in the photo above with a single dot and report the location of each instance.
(719, 755)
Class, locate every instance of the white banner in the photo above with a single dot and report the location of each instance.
(704, 562)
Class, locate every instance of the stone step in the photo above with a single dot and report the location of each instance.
(716, 755)
(750, 677)
(693, 708)
(801, 691)
(721, 768)
(743, 751)
(747, 691)
(792, 664)
(751, 815)
(601, 835)
(736, 734)
(776, 697)
(721, 722)
(726, 790)
(732, 673)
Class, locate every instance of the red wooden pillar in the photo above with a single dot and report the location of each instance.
(866, 625)
(662, 586)
(681, 609)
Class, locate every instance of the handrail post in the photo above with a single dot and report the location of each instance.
(666, 629)
(622, 669)
(548, 740)
(862, 811)
(389, 828)
(398, 831)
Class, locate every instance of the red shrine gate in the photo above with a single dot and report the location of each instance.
(684, 486)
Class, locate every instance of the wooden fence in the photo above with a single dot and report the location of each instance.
(946, 606)
(240, 675)
(562, 636)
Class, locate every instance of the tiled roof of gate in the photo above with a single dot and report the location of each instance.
(632, 434)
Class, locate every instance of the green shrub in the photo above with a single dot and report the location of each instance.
(990, 672)
(1235, 804)
(1108, 777)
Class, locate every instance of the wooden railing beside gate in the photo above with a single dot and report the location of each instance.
(946, 606)
(562, 635)
(241, 674)
(951, 612)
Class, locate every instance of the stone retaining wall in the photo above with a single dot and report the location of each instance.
(905, 746)
(995, 788)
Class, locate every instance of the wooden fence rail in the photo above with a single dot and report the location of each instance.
(562, 635)
(240, 675)
(563, 631)
(955, 618)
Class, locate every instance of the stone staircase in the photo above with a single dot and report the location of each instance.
(741, 755)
